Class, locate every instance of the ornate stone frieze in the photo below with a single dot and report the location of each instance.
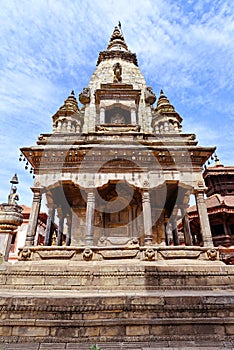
(124, 55)
(129, 251)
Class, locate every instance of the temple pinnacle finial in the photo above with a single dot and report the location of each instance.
(217, 161)
(117, 41)
(117, 48)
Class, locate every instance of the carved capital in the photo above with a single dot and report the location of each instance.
(37, 193)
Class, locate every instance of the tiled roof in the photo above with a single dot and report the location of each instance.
(216, 200)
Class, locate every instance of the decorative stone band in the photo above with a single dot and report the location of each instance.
(127, 56)
(10, 217)
(91, 307)
(133, 251)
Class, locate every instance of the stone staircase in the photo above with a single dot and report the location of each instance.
(124, 304)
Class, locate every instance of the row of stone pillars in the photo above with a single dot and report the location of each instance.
(90, 209)
(185, 224)
(50, 226)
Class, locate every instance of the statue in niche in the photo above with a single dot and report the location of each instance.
(150, 96)
(117, 73)
(84, 96)
(117, 119)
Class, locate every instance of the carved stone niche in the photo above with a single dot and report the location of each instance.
(117, 115)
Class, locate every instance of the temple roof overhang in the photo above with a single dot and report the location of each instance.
(69, 157)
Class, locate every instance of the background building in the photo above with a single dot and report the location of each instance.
(219, 180)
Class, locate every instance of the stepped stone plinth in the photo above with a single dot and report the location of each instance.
(122, 301)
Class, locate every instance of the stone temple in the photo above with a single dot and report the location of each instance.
(117, 174)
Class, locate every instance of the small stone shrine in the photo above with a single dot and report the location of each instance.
(117, 174)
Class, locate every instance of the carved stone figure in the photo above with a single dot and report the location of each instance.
(117, 73)
(150, 96)
(117, 119)
(13, 196)
(84, 96)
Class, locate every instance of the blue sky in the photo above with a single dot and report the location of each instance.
(48, 48)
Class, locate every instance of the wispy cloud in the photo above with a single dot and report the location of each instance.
(49, 48)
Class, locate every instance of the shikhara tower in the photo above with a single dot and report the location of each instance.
(117, 170)
(117, 173)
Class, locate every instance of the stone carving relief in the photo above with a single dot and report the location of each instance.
(150, 96)
(25, 254)
(87, 254)
(84, 96)
(13, 196)
(117, 73)
(212, 254)
(117, 119)
(150, 254)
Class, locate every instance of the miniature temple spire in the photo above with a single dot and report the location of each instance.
(166, 118)
(163, 101)
(217, 161)
(68, 117)
(164, 105)
(69, 107)
(117, 41)
(117, 48)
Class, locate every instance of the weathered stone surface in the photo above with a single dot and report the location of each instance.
(157, 301)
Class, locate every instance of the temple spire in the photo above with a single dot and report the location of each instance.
(164, 103)
(117, 41)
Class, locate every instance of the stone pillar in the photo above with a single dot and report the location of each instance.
(102, 115)
(226, 228)
(166, 126)
(5, 244)
(90, 216)
(33, 219)
(69, 126)
(174, 230)
(134, 221)
(69, 227)
(147, 218)
(60, 227)
(166, 225)
(133, 115)
(10, 218)
(186, 226)
(203, 217)
(49, 226)
(59, 127)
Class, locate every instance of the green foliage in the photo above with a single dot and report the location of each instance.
(94, 347)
